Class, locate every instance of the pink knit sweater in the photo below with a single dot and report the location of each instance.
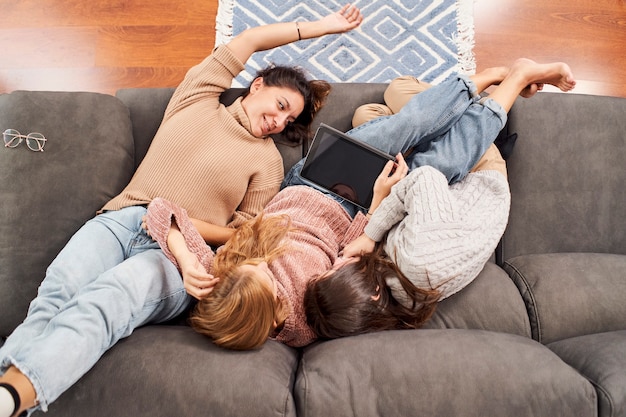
(323, 229)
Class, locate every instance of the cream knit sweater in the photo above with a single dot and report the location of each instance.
(204, 157)
(441, 235)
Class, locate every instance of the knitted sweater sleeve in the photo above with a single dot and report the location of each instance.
(161, 214)
(209, 78)
(392, 210)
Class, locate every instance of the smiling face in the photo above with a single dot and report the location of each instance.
(270, 109)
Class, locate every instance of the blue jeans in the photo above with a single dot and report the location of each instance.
(448, 126)
(109, 279)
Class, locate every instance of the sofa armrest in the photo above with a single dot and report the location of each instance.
(571, 294)
(47, 196)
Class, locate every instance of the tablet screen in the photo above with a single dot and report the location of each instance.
(343, 165)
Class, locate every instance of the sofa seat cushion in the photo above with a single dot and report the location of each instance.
(439, 373)
(47, 196)
(490, 302)
(601, 358)
(571, 294)
(172, 371)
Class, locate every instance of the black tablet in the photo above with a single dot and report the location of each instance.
(343, 165)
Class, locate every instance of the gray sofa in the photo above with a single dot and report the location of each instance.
(540, 332)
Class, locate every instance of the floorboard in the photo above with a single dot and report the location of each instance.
(102, 46)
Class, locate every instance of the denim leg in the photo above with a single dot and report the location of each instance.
(448, 126)
(425, 117)
(102, 243)
(146, 287)
(458, 150)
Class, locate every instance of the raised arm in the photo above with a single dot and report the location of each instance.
(261, 38)
(382, 188)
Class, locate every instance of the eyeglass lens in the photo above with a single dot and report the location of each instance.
(35, 141)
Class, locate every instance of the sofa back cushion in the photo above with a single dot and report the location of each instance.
(344, 99)
(46, 196)
(567, 175)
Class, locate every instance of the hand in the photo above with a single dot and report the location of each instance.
(197, 282)
(144, 225)
(386, 180)
(359, 246)
(348, 18)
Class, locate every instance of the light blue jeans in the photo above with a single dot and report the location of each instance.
(449, 126)
(109, 279)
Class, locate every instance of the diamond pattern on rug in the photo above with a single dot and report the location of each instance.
(429, 39)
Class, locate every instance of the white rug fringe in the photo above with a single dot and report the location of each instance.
(224, 22)
(464, 40)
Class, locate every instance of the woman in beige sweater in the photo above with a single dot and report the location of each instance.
(218, 162)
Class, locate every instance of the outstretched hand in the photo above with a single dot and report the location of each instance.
(348, 18)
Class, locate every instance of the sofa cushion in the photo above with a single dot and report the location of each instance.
(571, 294)
(567, 175)
(173, 371)
(439, 373)
(601, 358)
(490, 302)
(47, 196)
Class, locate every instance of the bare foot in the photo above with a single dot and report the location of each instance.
(557, 74)
(531, 90)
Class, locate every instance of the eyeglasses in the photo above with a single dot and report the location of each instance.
(34, 141)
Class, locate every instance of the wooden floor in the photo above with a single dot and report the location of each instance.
(104, 45)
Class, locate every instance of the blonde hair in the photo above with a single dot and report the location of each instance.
(242, 311)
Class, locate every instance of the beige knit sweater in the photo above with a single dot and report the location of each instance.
(441, 235)
(204, 157)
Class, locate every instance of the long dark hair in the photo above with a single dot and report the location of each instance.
(314, 92)
(356, 299)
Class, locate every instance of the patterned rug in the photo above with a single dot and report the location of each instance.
(429, 39)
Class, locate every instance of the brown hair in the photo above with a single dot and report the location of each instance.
(242, 312)
(314, 93)
(356, 299)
